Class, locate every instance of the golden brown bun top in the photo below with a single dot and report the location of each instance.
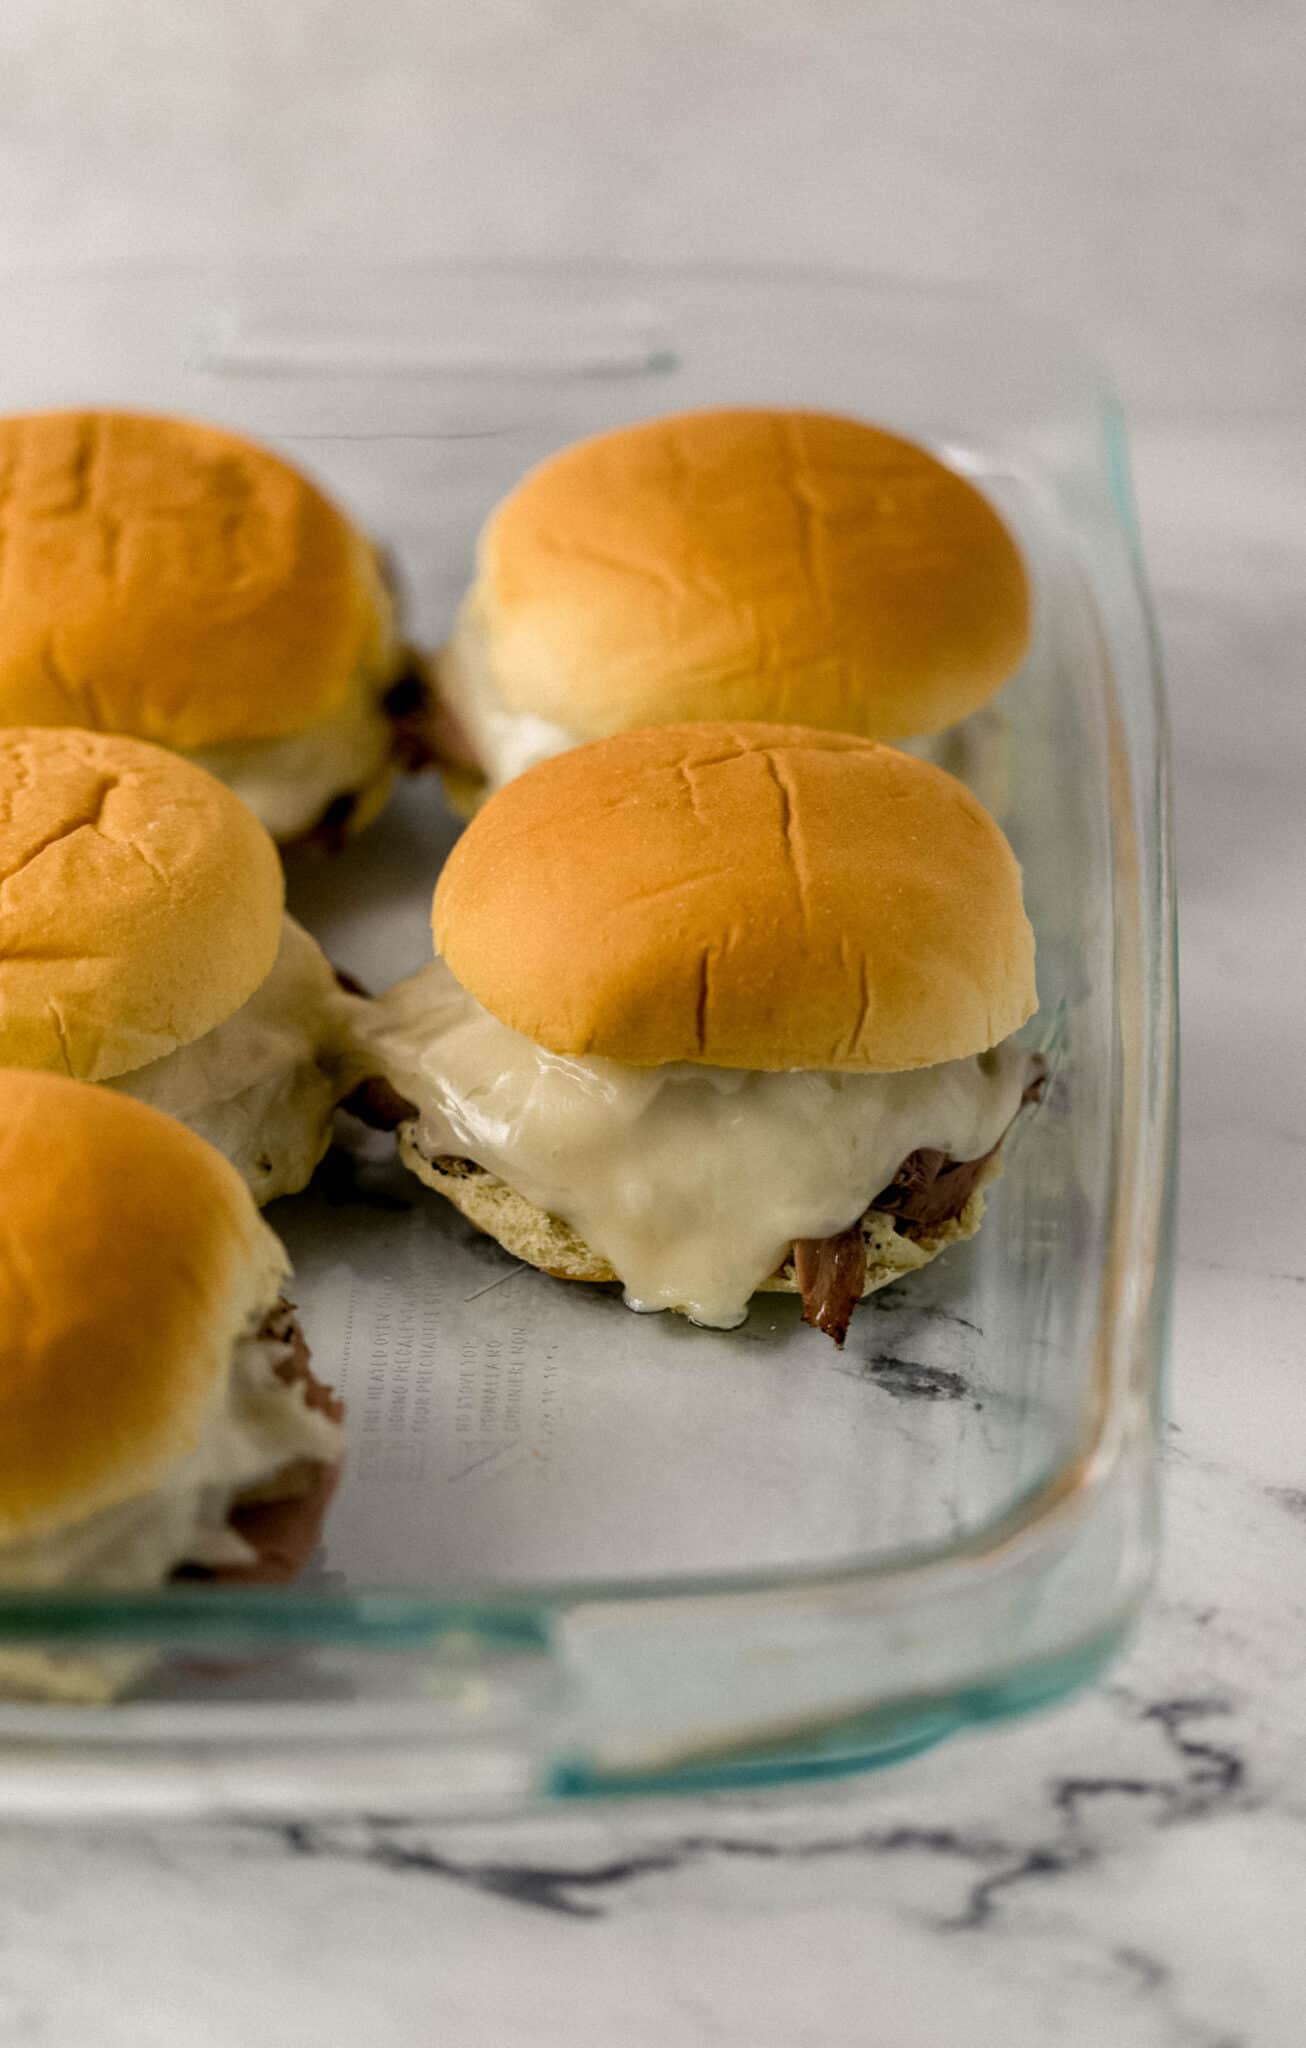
(746, 896)
(140, 902)
(131, 1258)
(173, 581)
(750, 564)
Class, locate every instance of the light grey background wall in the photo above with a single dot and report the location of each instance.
(1137, 167)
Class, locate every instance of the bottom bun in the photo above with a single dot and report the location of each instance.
(539, 1239)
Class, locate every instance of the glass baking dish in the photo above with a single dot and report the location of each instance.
(576, 1549)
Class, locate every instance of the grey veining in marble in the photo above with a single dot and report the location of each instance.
(1130, 1869)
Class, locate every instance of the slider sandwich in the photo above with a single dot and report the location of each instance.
(143, 944)
(720, 1010)
(178, 583)
(734, 564)
(157, 1409)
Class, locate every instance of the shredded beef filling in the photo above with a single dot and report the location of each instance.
(282, 1522)
(831, 1273)
(350, 983)
(331, 832)
(375, 1103)
(282, 1533)
(409, 705)
(928, 1190)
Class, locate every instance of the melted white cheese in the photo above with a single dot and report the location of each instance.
(691, 1181)
(258, 1427)
(505, 742)
(288, 783)
(262, 1085)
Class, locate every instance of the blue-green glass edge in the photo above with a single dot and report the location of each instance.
(871, 1741)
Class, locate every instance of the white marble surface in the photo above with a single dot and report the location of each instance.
(1131, 1868)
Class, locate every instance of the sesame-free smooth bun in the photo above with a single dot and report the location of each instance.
(174, 581)
(751, 563)
(131, 1259)
(140, 902)
(749, 895)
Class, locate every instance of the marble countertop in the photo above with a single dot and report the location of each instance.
(1131, 1867)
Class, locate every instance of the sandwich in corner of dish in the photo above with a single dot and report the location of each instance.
(144, 945)
(720, 1010)
(178, 583)
(158, 1410)
(734, 563)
